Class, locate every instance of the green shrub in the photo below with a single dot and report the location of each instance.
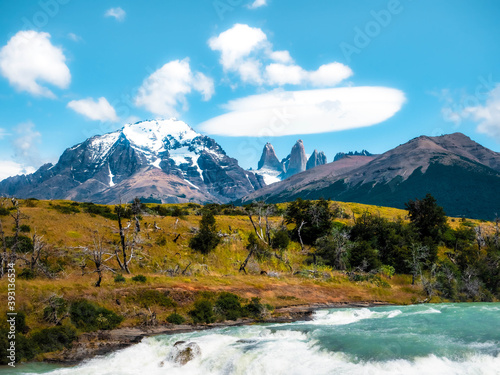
(387, 271)
(26, 274)
(255, 308)
(56, 310)
(228, 305)
(24, 243)
(90, 317)
(139, 278)
(24, 228)
(53, 339)
(103, 211)
(207, 238)
(280, 240)
(161, 241)
(175, 318)
(31, 202)
(25, 348)
(151, 297)
(203, 312)
(119, 278)
(4, 211)
(66, 209)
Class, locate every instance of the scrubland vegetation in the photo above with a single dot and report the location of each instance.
(83, 267)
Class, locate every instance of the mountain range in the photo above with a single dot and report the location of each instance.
(166, 161)
(461, 174)
(272, 170)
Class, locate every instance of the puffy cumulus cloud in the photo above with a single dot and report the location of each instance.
(99, 110)
(117, 13)
(487, 115)
(257, 4)
(326, 75)
(9, 168)
(281, 57)
(279, 113)
(329, 75)
(29, 58)
(247, 52)
(237, 46)
(164, 91)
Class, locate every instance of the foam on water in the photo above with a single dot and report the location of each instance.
(303, 347)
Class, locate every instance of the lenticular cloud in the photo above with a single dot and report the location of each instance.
(279, 113)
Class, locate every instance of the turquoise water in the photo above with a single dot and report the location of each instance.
(421, 339)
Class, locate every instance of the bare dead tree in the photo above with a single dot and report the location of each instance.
(156, 227)
(56, 309)
(262, 228)
(479, 238)
(38, 246)
(98, 256)
(245, 262)
(300, 237)
(418, 254)
(125, 244)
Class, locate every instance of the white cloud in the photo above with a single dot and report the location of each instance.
(118, 13)
(29, 58)
(99, 110)
(326, 76)
(281, 57)
(74, 37)
(9, 168)
(164, 91)
(280, 113)
(329, 75)
(3, 133)
(247, 51)
(257, 4)
(279, 74)
(26, 144)
(236, 46)
(488, 115)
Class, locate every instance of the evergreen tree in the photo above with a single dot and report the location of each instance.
(206, 239)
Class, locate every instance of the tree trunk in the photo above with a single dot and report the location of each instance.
(244, 264)
(98, 282)
(123, 265)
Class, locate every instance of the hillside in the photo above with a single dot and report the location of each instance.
(167, 276)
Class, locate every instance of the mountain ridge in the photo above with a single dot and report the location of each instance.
(453, 168)
(103, 162)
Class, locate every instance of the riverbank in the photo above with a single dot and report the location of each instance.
(90, 345)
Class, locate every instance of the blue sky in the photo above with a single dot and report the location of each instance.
(341, 75)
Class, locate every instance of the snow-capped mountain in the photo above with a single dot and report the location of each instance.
(164, 161)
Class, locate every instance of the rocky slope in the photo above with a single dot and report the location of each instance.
(317, 158)
(272, 170)
(163, 161)
(463, 175)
